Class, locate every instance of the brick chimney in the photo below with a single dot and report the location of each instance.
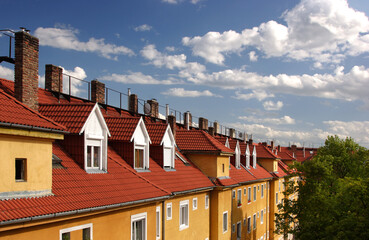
(26, 69)
(133, 103)
(172, 123)
(250, 142)
(216, 127)
(232, 132)
(211, 131)
(187, 120)
(154, 105)
(272, 144)
(97, 91)
(203, 124)
(53, 78)
(279, 148)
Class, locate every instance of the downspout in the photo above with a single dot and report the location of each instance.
(163, 220)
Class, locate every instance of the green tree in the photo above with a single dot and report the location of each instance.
(333, 196)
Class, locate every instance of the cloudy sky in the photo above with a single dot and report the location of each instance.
(292, 71)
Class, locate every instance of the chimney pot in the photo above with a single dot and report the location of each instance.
(154, 105)
(203, 124)
(97, 91)
(187, 120)
(26, 69)
(133, 103)
(216, 128)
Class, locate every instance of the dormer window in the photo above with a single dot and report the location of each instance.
(254, 158)
(139, 157)
(168, 157)
(237, 156)
(247, 156)
(141, 142)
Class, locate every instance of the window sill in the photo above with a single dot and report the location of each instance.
(95, 171)
(183, 227)
(142, 170)
(169, 169)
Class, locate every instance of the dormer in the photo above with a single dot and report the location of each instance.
(227, 143)
(162, 149)
(237, 153)
(129, 137)
(247, 156)
(95, 133)
(254, 158)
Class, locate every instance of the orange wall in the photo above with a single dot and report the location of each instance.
(221, 201)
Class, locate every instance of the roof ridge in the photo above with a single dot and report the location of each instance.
(212, 139)
(68, 104)
(31, 110)
(143, 178)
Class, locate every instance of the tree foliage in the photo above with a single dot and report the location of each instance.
(333, 197)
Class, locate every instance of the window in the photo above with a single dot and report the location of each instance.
(157, 222)
(225, 222)
(138, 226)
(194, 204)
(249, 195)
(183, 214)
(276, 198)
(223, 167)
(261, 216)
(20, 169)
(233, 228)
(244, 221)
(258, 188)
(254, 221)
(254, 193)
(279, 188)
(86, 232)
(206, 201)
(239, 197)
(267, 234)
(244, 191)
(139, 157)
(169, 211)
(249, 224)
(93, 157)
(233, 194)
(168, 157)
(239, 228)
(262, 190)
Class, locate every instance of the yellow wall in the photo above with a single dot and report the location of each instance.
(271, 165)
(221, 201)
(38, 153)
(108, 225)
(199, 219)
(248, 209)
(211, 165)
(276, 186)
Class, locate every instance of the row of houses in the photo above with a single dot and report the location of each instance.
(78, 169)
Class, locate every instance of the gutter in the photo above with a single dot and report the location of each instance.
(193, 190)
(14, 125)
(85, 210)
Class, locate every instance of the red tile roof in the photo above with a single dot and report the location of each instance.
(121, 128)
(73, 115)
(74, 189)
(198, 140)
(286, 156)
(259, 172)
(264, 152)
(156, 132)
(14, 112)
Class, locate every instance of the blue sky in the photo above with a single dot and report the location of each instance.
(292, 71)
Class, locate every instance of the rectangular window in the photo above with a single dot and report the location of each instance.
(239, 228)
(262, 190)
(254, 221)
(206, 201)
(168, 157)
(138, 226)
(279, 188)
(276, 198)
(255, 193)
(169, 211)
(93, 156)
(262, 217)
(225, 222)
(249, 195)
(139, 157)
(85, 230)
(183, 214)
(239, 197)
(194, 204)
(223, 167)
(157, 222)
(249, 224)
(244, 221)
(233, 194)
(20, 169)
(244, 191)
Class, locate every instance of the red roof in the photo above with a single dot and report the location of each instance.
(14, 112)
(74, 189)
(121, 128)
(286, 156)
(264, 152)
(156, 132)
(198, 140)
(72, 115)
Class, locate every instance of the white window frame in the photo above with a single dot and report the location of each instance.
(233, 228)
(194, 203)
(143, 148)
(261, 216)
(239, 197)
(93, 142)
(206, 201)
(254, 221)
(249, 224)
(244, 191)
(239, 227)
(139, 217)
(80, 227)
(262, 190)
(182, 204)
(233, 194)
(249, 195)
(276, 198)
(255, 193)
(158, 220)
(171, 148)
(225, 226)
(169, 207)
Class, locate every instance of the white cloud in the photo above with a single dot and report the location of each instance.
(258, 94)
(159, 59)
(135, 78)
(253, 57)
(6, 73)
(272, 106)
(143, 28)
(359, 130)
(320, 30)
(285, 120)
(67, 39)
(180, 92)
(77, 86)
(170, 48)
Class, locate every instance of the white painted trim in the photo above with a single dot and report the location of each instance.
(226, 230)
(158, 211)
(100, 116)
(80, 227)
(193, 203)
(183, 203)
(169, 205)
(138, 217)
